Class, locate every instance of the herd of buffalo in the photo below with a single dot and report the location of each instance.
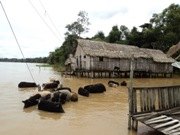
(51, 97)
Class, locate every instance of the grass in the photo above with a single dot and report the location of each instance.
(59, 68)
(44, 65)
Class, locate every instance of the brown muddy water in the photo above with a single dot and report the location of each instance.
(99, 114)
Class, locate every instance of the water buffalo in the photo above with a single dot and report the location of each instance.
(33, 100)
(56, 81)
(58, 97)
(51, 85)
(69, 95)
(74, 97)
(95, 88)
(50, 106)
(123, 83)
(64, 95)
(113, 84)
(83, 92)
(27, 84)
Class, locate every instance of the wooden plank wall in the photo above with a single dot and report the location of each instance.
(152, 99)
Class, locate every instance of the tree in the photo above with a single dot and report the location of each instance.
(80, 25)
(61, 54)
(99, 36)
(114, 35)
(69, 45)
(167, 25)
(146, 26)
(135, 37)
(124, 32)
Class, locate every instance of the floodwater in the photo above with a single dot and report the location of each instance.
(98, 114)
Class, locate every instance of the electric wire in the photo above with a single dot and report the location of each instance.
(17, 41)
(44, 20)
(49, 17)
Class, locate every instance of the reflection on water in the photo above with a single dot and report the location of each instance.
(99, 114)
(48, 115)
(30, 109)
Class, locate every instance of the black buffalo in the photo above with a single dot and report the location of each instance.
(83, 92)
(52, 85)
(59, 97)
(27, 84)
(123, 83)
(95, 88)
(50, 106)
(33, 100)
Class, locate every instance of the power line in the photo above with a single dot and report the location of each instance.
(52, 22)
(16, 40)
(44, 20)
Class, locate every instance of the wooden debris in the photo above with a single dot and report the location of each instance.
(177, 133)
(165, 131)
(172, 131)
(159, 120)
(156, 118)
(166, 124)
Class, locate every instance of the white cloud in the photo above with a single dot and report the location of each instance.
(36, 39)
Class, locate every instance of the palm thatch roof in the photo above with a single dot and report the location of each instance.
(174, 51)
(103, 49)
(157, 55)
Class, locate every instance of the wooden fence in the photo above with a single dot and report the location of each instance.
(143, 100)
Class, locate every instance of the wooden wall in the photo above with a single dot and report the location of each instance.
(142, 64)
(86, 62)
(161, 67)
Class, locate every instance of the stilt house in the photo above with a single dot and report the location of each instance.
(101, 56)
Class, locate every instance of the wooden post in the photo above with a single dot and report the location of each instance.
(130, 99)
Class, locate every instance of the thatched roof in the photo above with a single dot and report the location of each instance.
(97, 48)
(157, 55)
(174, 51)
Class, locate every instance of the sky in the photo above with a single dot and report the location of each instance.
(39, 25)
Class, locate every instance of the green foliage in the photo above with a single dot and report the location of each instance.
(99, 36)
(30, 60)
(135, 37)
(161, 32)
(166, 24)
(61, 54)
(124, 32)
(118, 35)
(79, 26)
(114, 35)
